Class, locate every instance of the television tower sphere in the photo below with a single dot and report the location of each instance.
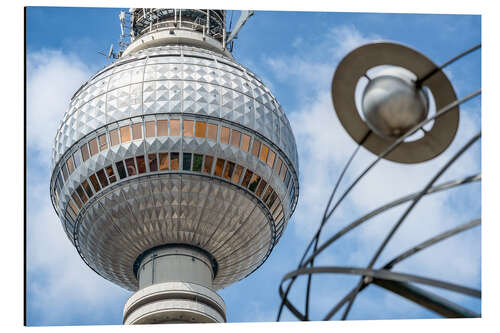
(174, 169)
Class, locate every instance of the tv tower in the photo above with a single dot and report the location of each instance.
(174, 169)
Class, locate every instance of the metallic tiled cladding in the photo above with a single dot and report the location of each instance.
(226, 220)
(172, 208)
(175, 79)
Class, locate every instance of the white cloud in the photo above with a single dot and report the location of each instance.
(57, 277)
(52, 78)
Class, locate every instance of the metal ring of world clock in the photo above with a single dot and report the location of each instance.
(357, 63)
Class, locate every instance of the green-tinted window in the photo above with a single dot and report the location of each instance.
(197, 162)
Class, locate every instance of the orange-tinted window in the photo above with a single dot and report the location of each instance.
(245, 142)
(224, 135)
(235, 138)
(78, 202)
(113, 137)
(219, 165)
(163, 161)
(207, 165)
(125, 133)
(278, 165)
(283, 172)
(267, 194)
(70, 165)
(111, 174)
(237, 174)
(93, 147)
(150, 129)
(102, 178)
(256, 148)
(201, 129)
(175, 127)
(229, 170)
(130, 164)
(212, 132)
(253, 182)
(162, 127)
(85, 152)
(174, 161)
(136, 131)
(103, 143)
(73, 206)
(81, 195)
(270, 158)
(261, 187)
(95, 183)
(263, 153)
(188, 127)
(246, 178)
(141, 164)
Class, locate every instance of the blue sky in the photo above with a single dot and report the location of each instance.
(295, 53)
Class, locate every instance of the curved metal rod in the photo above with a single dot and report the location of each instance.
(389, 265)
(381, 209)
(384, 274)
(410, 208)
(373, 213)
(393, 146)
(449, 62)
(407, 254)
(432, 241)
(316, 238)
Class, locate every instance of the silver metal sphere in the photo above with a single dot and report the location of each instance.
(174, 145)
(392, 104)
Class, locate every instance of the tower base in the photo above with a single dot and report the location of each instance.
(175, 286)
(174, 302)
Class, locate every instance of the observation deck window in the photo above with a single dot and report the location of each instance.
(129, 162)
(137, 131)
(201, 129)
(141, 164)
(175, 127)
(212, 131)
(235, 138)
(111, 174)
(174, 159)
(188, 127)
(207, 166)
(150, 129)
(102, 178)
(163, 128)
(121, 170)
(219, 165)
(124, 134)
(163, 161)
(186, 161)
(113, 137)
(93, 147)
(224, 135)
(228, 172)
(245, 142)
(85, 152)
(237, 174)
(197, 162)
(256, 148)
(103, 144)
(153, 162)
(95, 183)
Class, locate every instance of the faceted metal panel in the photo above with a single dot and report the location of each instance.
(134, 217)
(164, 80)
